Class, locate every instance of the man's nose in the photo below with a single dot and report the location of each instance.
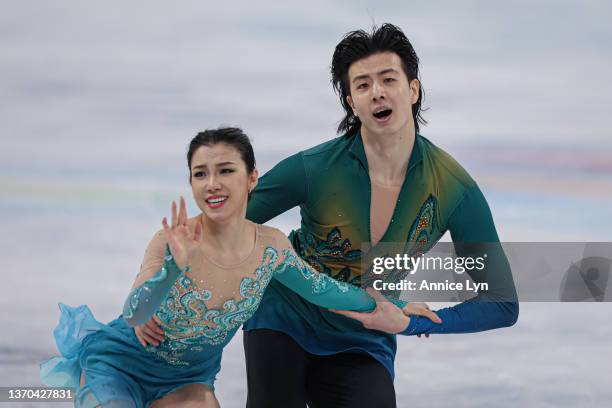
(378, 91)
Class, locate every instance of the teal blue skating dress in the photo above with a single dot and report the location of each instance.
(200, 310)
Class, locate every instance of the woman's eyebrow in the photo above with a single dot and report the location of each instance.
(201, 166)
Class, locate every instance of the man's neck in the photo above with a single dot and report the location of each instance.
(388, 155)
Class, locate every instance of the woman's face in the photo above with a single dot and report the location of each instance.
(220, 182)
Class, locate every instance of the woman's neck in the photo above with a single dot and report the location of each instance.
(232, 236)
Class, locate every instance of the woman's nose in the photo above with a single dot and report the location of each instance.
(213, 183)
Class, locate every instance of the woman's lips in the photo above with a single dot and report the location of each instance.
(216, 201)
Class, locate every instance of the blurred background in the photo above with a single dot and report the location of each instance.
(99, 101)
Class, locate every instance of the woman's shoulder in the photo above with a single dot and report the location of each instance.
(271, 235)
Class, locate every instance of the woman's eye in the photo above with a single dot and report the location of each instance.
(226, 171)
(198, 174)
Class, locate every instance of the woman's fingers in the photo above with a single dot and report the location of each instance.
(167, 230)
(165, 224)
(174, 215)
(182, 212)
(197, 234)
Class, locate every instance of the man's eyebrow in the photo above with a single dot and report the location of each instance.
(360, 77)
(383, 72)
(387, 71)
(201, 166)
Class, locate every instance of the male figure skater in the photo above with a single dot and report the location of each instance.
(380, 181)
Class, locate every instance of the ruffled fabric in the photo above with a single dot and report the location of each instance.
(75, 324)
(119, 372)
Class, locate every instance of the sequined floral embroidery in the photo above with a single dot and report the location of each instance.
(334, 249)
(320, 282)
(190, 325)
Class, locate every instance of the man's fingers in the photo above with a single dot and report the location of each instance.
(154, 327)
(149, 339)
(149, 332)
(428, 314)
(420, 305)
(421, 309)
(144, 338)
(362, 317)
(139, 337)
(432, 316)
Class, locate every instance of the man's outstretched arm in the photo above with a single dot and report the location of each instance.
(473, 232)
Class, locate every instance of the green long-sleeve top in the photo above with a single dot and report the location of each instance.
(331, 185)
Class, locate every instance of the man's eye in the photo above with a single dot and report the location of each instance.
(362, 86)
(226, 171)
(388, 80)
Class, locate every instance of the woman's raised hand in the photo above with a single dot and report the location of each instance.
(183, 244)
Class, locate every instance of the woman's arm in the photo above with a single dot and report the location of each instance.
(318, 288)
(145, 298)
(166, 259)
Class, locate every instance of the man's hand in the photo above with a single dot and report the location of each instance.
(421, 309)
(387, 317)
(149, 333)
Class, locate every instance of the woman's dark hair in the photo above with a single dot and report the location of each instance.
(232, 136)
(359, 44)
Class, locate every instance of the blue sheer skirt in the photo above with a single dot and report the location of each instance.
(118, 370)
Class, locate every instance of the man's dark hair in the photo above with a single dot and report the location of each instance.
(359, 44)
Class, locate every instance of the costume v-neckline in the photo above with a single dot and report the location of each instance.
(242, 261)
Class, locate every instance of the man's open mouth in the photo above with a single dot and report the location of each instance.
(382, 114)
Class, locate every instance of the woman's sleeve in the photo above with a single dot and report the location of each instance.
(319, 288)
(158, 273)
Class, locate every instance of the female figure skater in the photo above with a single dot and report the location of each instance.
(201, 278)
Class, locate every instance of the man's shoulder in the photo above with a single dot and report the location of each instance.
(445, 164)
(330, 146)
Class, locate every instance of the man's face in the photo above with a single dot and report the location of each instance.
(381, 95)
